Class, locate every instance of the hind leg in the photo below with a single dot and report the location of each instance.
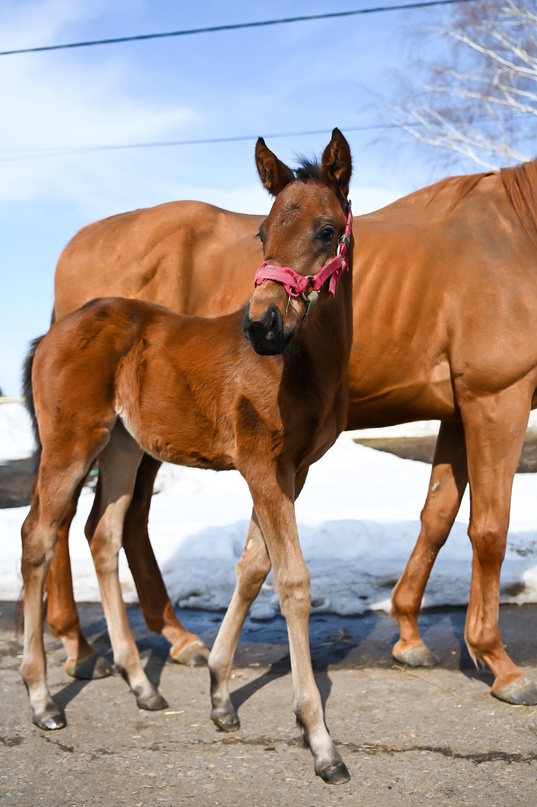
(186, 648)
(449, 477)
(62, 615)
(118, 464)
(56, 482)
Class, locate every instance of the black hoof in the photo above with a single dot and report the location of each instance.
(521, 693)
(227, 723)
(417, 657)
(90, 668)
(335, 774)
(154, 703)
(51, 722)
(195, 655)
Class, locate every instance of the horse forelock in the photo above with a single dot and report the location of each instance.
(307, 170)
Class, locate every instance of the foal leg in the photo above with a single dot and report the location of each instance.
(449, 477)
(159, 614)
(118, 464)
(276, 513)
(495, 429)
(62, 615)
(252, 570)
(55, 485)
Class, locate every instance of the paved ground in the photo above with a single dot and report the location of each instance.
(409, 738)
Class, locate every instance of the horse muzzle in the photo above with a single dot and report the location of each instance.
(267, 336)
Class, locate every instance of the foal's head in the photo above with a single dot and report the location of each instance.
(300, 238)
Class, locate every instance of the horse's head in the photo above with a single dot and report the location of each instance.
(305, 238)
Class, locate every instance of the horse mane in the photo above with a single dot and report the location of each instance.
(307, 169)
(520, 185)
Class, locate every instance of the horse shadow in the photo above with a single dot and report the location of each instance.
(153, 651)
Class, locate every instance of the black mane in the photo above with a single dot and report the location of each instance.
(308, 169)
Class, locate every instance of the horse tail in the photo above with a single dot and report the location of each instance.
(29, 395)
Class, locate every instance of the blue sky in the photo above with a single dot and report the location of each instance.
(291, 79)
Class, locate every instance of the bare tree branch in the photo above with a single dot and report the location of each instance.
(479, 98)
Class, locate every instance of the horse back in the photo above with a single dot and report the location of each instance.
(191, 257)
(445, 293)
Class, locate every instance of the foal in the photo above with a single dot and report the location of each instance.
(119, 377)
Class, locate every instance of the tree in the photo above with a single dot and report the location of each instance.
(479, 98)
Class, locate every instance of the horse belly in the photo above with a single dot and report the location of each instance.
(391, 398)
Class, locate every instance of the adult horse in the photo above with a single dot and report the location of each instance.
(444, 306)
(119, 377)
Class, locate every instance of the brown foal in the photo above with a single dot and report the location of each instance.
(120, 377)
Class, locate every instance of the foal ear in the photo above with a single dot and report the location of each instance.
(336, 165)
(274, 174)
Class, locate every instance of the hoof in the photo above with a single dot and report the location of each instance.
(51, 722)
(195, 655)
(154, 703)
(227, 723)
(335, 774)
(520, 693)
(89, 668)
(417, 657)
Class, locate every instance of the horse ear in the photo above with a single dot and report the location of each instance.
(274, 174)
(336, 165)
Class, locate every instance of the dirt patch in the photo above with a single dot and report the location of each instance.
(16, 479)
(422, 449)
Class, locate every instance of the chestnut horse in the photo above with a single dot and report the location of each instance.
(444, 310)
(119, 377)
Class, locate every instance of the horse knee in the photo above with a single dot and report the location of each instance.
(488, 542)
(294, 594)
(436, 523)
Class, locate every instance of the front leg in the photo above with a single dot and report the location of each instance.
(252, 570)
(449, 477)
(276, 513)
(495, 427)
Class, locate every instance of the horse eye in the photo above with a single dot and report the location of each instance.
(260, 236)
(326, 234)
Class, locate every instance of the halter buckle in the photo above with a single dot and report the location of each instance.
(311, 301)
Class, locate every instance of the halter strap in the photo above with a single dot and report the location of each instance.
(295, 284)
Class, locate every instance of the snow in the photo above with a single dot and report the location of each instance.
(358, 519)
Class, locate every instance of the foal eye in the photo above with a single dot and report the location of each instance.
(326, 234)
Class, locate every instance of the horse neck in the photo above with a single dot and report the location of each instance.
(327, 337)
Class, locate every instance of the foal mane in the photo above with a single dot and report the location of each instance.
(307, 169)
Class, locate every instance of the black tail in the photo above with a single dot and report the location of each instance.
(29, 395)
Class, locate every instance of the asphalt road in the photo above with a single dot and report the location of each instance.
(409, 738)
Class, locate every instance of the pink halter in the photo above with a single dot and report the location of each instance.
(298, 285)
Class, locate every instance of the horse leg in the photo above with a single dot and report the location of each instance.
(449, 477)
(274, 507)
(252, 570)
(39, 535)
(159, 614)
(495, 427)
(118, 464)
(62, 616)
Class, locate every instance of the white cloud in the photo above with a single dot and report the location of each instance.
(49, 103)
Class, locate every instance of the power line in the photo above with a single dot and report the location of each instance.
(233, 27)
(58, 151)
